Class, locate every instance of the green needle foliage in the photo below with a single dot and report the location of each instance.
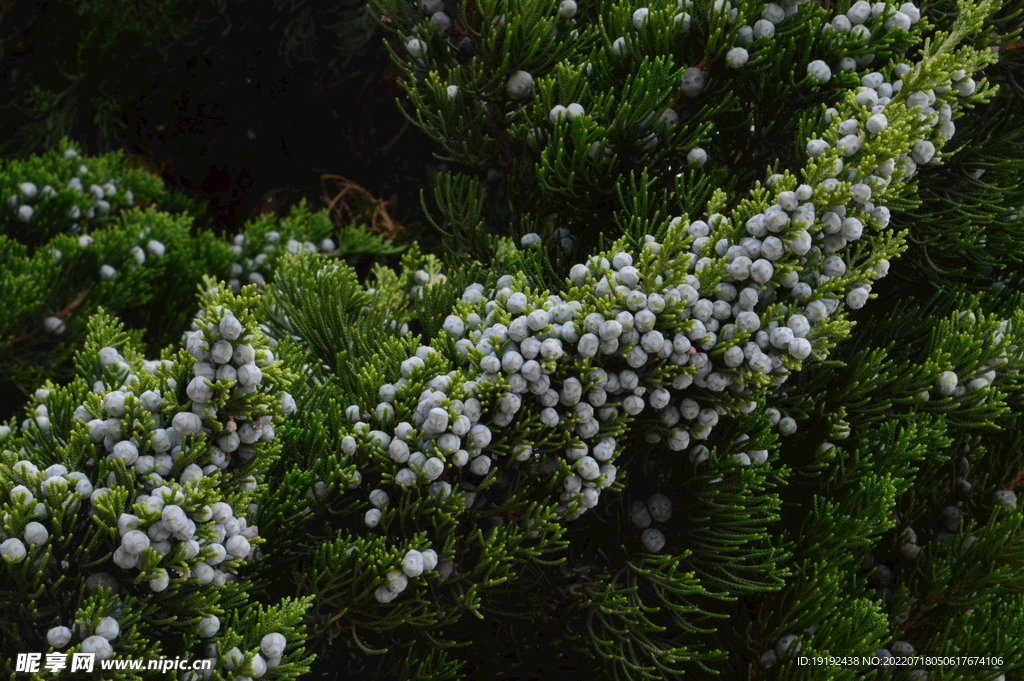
(105, 567)
(77, 234)
(717, 377)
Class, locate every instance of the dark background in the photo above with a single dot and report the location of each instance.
(242, 104)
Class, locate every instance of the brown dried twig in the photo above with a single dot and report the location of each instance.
(1015, 480)
(928, 606)
(63, 314)
(351, 203)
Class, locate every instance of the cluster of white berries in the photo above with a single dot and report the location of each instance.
(171, 526)
(543, 334)
(21, 201)
(117, 416)
(658, 508)
(728, 311)
(99, 643)
(790, 251)
(864, 20)
(40, 493)
(414, 564)
(163, 525)
(254, 255)
(268, 656)
(875, 95)
(817, 247)
(223, 352)
(948, 382)
(526, 353)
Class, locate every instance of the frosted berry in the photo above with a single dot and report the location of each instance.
(653, 540)
(820, 71)
(415, 47)
(693, 82)
(736, 57)
(519, 85)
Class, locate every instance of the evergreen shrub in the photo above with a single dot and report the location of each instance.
(658, 411)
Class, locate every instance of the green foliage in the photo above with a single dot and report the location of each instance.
(161, 594)
(53, 263)
(846, 490)
(819, 512)
(126, 250)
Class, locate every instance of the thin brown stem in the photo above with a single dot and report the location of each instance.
(1015, 480)
(926, 607)
(61, 315)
